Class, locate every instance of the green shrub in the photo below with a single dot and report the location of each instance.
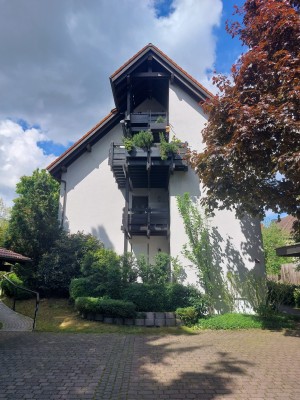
(297, 297)
(163, 297)
(280, 293)
(180, 296)
(188, 315)
(146, 297)
(81, 287)
(108, 307)
(103, 268)
(10, 291)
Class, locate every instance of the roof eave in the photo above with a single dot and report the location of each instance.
(174, 68)
(90, 138)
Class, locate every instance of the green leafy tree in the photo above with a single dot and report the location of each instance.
(34, 226)
(62, 263)
(200, 251)
(4, 221)
(274, 237)
(251, 159)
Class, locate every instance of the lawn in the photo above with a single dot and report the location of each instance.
(57, 315)
(245, 321)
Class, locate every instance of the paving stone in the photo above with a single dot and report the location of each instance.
(13, 321)
(238, 365)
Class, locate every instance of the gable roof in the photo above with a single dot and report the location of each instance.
(11, 256)
(165, 68)
(83, 144)
(286, 224)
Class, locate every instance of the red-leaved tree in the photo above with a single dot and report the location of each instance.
(252, 157)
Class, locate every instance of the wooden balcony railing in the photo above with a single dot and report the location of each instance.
(146, 222)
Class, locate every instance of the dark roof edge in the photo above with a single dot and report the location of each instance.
(178, 69)
(84, 139)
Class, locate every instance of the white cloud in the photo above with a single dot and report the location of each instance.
(57, 56)
(19, 155)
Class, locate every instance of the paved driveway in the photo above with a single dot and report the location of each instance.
(210, 365)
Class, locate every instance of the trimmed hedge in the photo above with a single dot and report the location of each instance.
(160, 298)
(108, 307)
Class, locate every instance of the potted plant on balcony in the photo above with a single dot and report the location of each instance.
(168, 148)
(143, 140)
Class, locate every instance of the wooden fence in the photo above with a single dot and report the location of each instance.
(288, 274)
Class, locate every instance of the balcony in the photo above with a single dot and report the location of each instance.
(154, 121)
(144, 166)
(146, 222)
(140, 164)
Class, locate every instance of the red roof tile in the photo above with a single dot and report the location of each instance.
(286, 223)
(150, 45)
(8, 255)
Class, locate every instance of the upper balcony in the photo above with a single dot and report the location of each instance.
(145, 167)
(142, 121)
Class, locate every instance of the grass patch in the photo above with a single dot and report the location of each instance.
(57, 315)
(245, 321)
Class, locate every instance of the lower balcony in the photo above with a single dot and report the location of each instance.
(146, 222)
(138, 162)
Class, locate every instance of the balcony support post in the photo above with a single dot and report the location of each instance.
(126, 215)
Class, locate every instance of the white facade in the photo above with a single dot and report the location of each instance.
(92, 202)
(90, 198)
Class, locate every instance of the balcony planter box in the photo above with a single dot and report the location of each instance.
(158, 126)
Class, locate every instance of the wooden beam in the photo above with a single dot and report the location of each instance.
(151, 75)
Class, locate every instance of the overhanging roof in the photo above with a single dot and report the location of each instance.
(164, 68)
(161, 67)
(292, 250)
(12, 257)
(83, 144)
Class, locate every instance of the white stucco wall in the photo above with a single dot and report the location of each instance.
(93, 201)
(239, 241)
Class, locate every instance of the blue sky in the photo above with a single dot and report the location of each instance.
(55, 67)
(228, 49)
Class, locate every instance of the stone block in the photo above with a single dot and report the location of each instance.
(139, 321)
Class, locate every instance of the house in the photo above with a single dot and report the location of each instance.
(128, 198)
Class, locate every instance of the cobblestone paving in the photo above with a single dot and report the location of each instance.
(256, 365)
(13, 321)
